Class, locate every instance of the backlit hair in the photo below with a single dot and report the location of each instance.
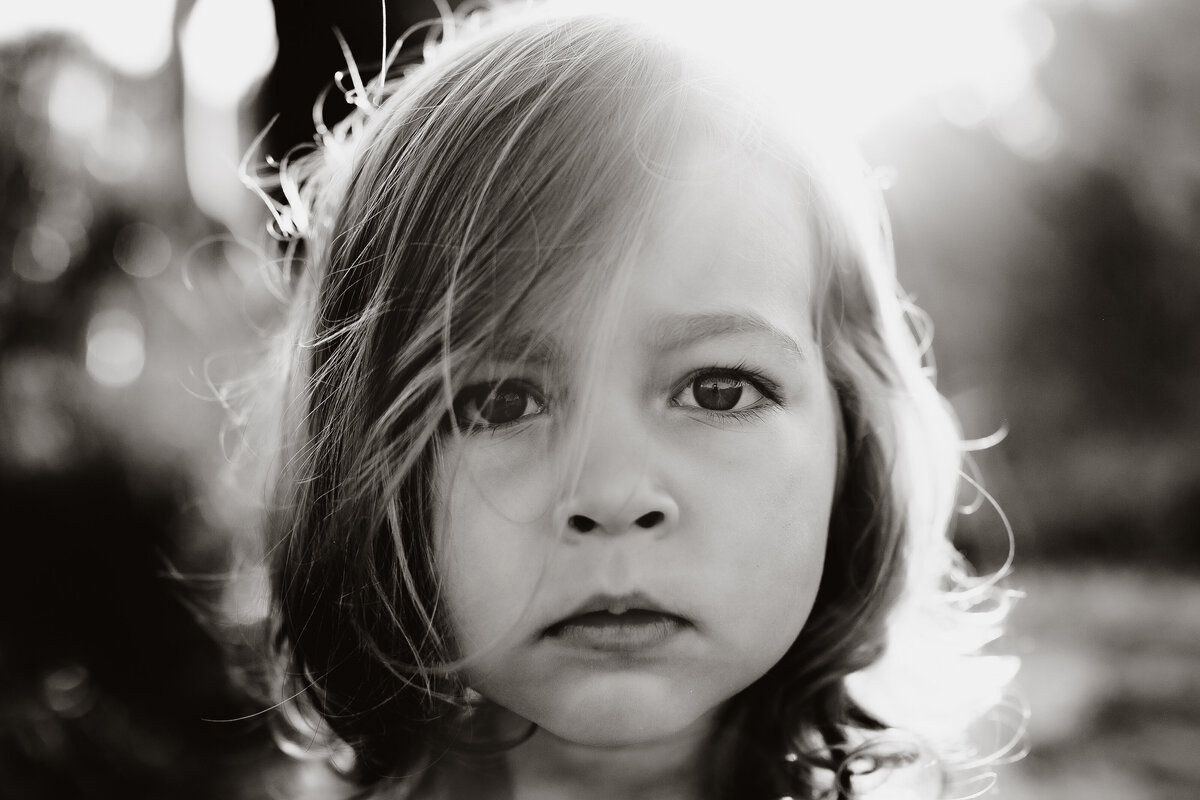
(460, 198)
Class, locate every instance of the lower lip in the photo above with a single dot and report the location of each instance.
(617, 633)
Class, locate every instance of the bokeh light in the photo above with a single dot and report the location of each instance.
(142, 250)
(41, 254)
(67, 690)
(116, 350)
(122, 150)
(79, 99)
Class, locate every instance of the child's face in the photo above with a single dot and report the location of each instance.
(703, 497)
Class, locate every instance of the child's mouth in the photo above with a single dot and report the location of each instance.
(635, 629)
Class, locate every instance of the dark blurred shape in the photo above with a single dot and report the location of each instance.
(1117, 352)
(309, 56)
(109, 686)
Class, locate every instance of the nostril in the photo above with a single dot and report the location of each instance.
(650, 520)
(581, 523)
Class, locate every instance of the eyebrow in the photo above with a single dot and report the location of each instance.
(524, 346)
(673, 332)
(680, 330)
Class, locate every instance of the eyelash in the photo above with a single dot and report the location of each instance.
(488, 389)
(740, 372)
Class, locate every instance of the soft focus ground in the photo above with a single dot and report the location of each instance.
(1112, 675)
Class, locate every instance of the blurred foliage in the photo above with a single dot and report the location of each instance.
(1065, 289)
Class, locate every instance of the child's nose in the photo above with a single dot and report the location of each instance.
(618, 488)
(582, 523)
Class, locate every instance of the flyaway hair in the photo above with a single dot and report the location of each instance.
(459, 198)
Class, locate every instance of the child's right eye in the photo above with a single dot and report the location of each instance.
(492, 405)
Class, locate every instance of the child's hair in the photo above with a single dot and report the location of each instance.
(464, 194)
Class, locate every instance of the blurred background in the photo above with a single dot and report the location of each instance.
(1042, 159)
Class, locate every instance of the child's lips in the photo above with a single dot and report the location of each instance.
(636, 629)
(624, 623)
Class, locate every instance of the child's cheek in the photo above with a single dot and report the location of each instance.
(493, 490)
(758, 508)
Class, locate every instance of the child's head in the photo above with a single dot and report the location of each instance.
(604, 409)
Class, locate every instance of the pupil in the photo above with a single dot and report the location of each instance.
(503, 405)
(717, 394)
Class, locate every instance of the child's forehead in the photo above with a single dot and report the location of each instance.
(740, 204)
(727, 236)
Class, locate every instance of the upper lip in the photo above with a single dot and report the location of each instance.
(617, 604)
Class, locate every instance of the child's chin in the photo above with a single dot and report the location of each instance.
(614, 733)
(619, 720)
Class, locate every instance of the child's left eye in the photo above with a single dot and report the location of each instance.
(720, 390)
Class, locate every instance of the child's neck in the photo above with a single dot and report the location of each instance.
(549, 768)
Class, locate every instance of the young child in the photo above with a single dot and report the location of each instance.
(610, 467)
